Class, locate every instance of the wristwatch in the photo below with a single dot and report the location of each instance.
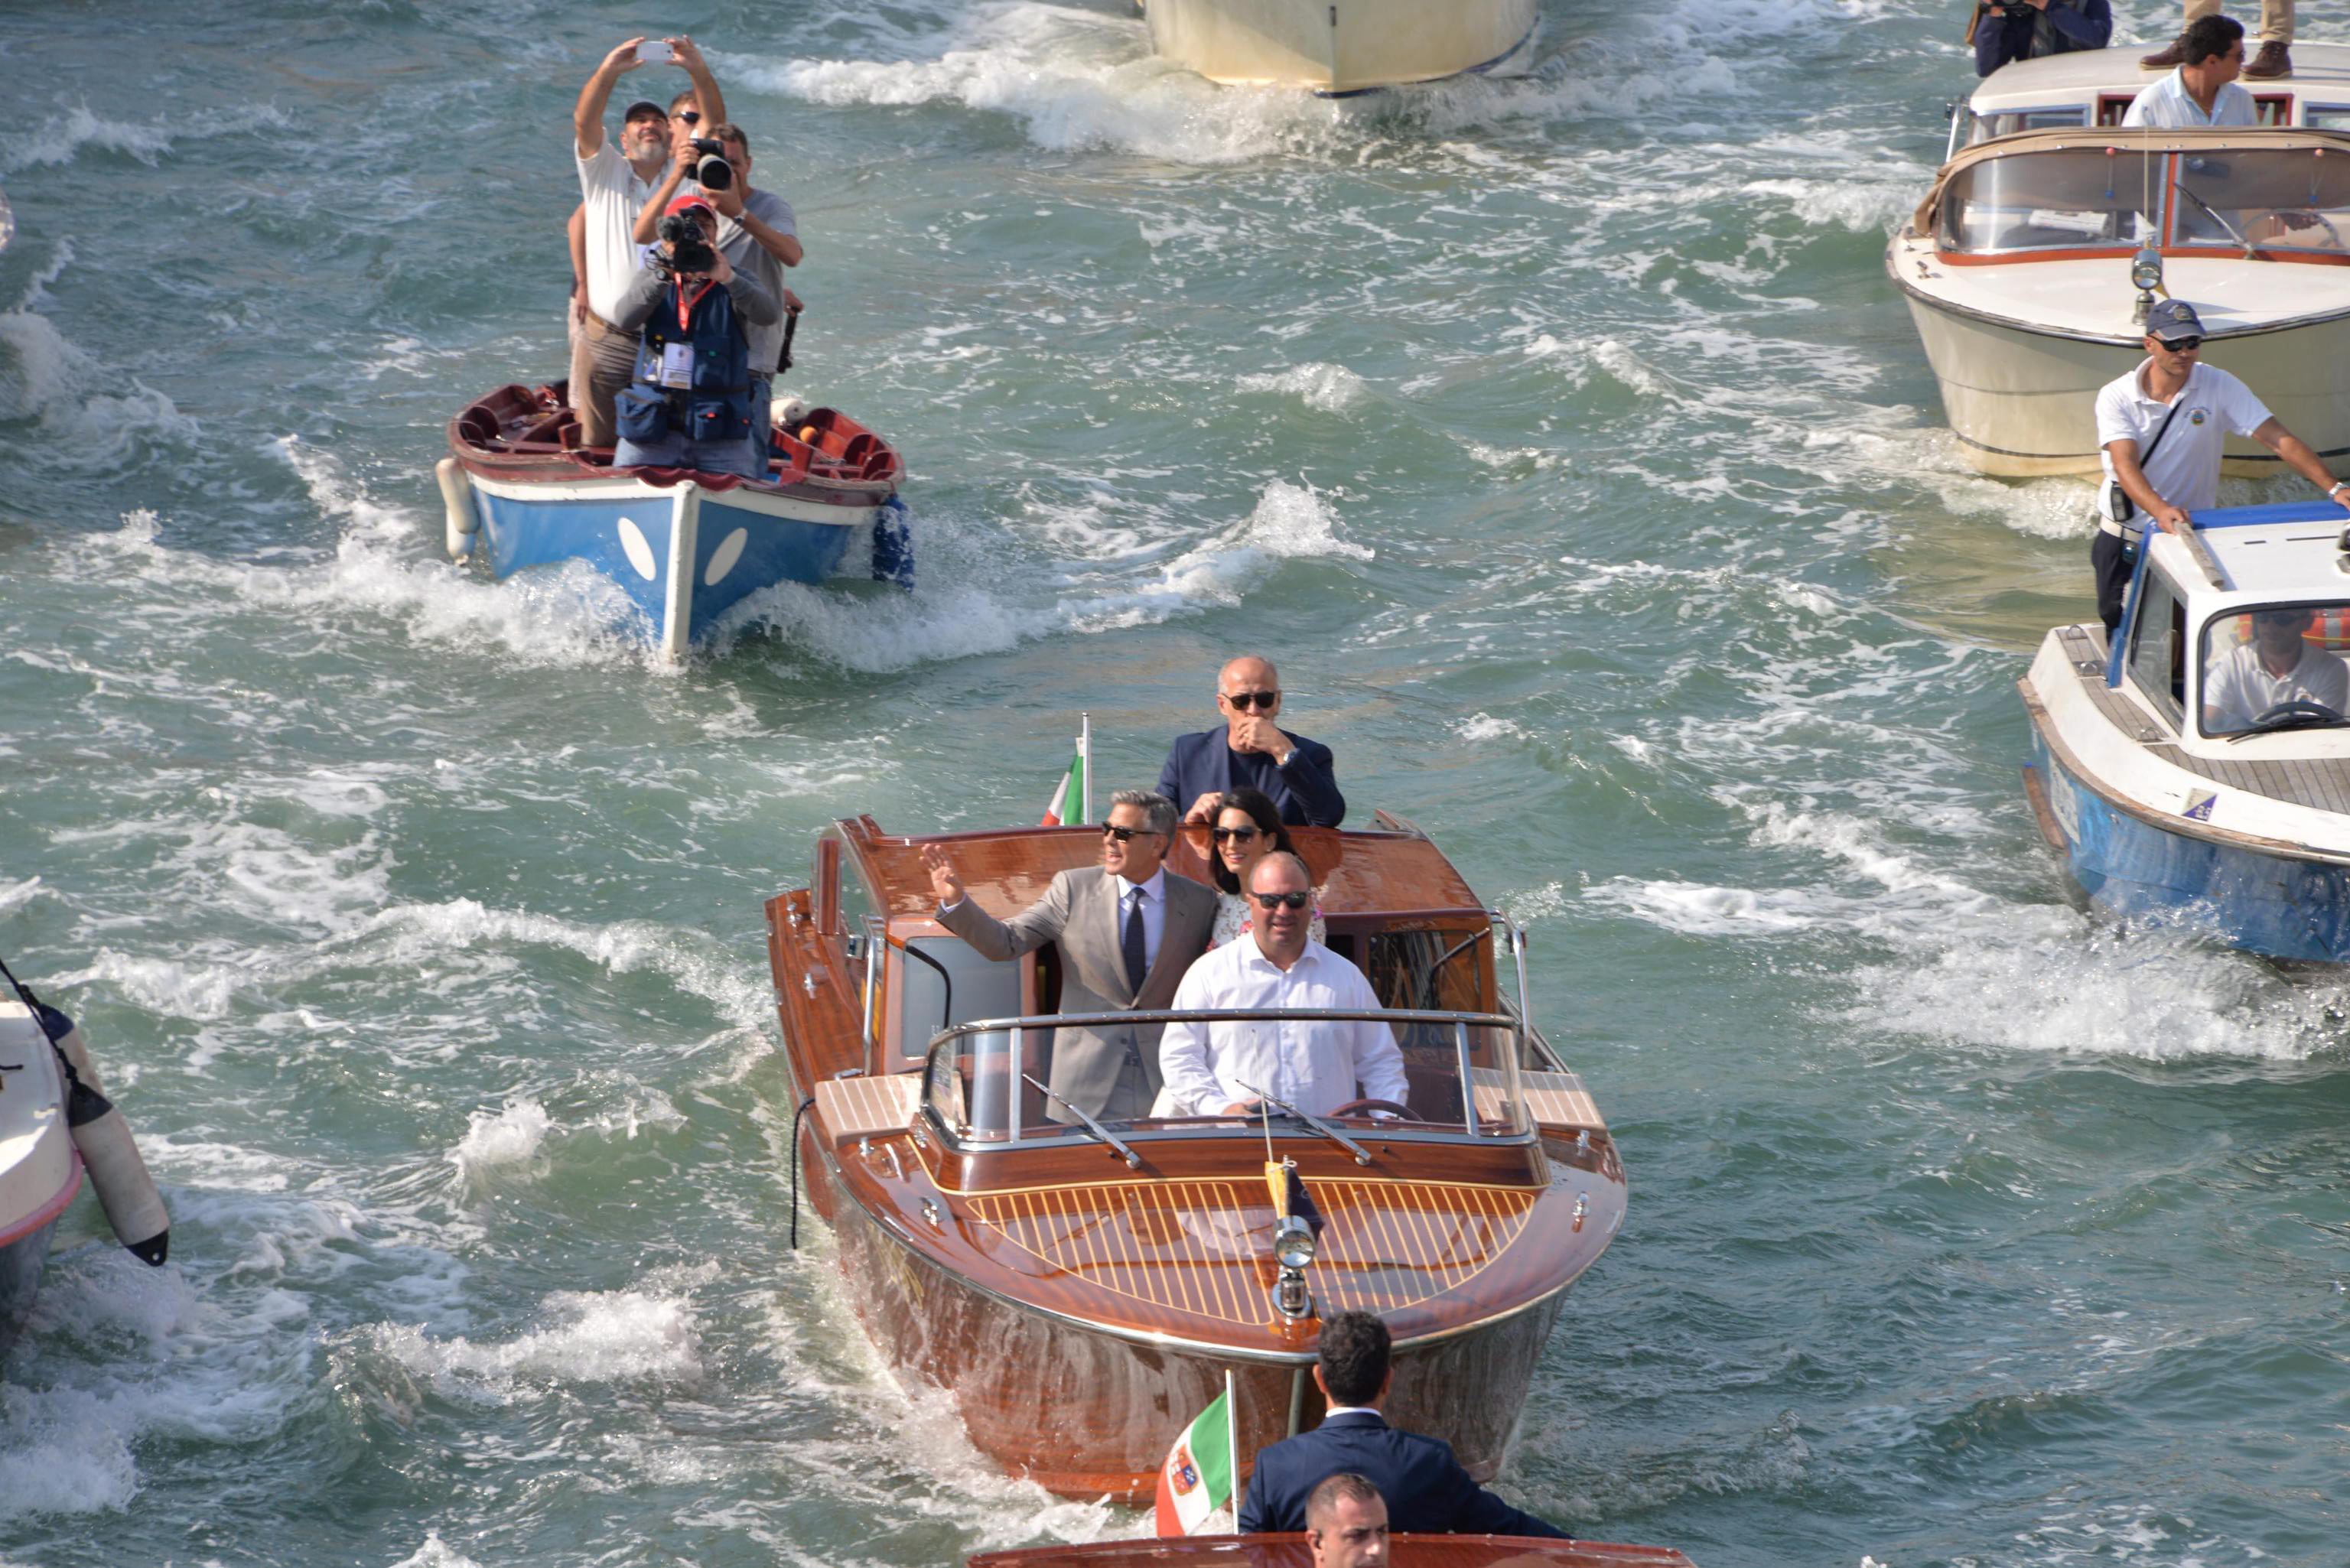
(1283, 760)
(2339, 486)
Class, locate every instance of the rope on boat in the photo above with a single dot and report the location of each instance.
(795, 1170)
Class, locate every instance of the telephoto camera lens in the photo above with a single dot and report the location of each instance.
(713, 173)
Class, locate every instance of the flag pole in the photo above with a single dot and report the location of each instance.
(1086, 775)
(1232, 1444)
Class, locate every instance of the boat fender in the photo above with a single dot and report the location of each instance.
(457, 497)
(893, 545)
(785, 411)
(133, 1208)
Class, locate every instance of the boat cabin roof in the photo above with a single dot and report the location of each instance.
(2287, 552)
(2321, 75)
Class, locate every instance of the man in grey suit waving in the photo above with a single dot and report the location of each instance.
(1125, 933)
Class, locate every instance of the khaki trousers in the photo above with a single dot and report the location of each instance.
(603, 360)
(2276, 19)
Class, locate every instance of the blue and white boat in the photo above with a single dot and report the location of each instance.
(2197, 771)
(39, 1170)
(521, 491)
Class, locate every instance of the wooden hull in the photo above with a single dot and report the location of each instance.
(1337, 49)
(1087, 1414)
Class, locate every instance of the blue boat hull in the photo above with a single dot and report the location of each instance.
(2270, 904)
(20, 1280)
(735, 542)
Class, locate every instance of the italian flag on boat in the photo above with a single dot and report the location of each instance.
(1199, 1482)
(1073, 801)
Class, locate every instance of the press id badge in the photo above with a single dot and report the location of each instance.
(677, 365)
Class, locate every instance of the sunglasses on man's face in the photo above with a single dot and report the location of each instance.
(690, 117)
(1237, 834)
(1265, 699)
(2183, 345)
(1270, 901)
(1112, 830)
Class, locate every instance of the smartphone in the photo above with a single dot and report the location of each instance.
(652, 52)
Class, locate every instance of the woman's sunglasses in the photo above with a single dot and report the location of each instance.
(1238, 835)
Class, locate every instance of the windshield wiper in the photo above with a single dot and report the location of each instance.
(2291, 721)
(1116, 1144)
(1362, 1156)
(2252, 251)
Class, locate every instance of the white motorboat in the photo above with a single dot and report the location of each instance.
(2049, 232)
(2183, 790)
(39, 1172)
(1353, 46)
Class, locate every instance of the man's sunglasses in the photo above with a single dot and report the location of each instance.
(1265, 699)
(1275, 900)
(1238, 835)
(1123, 834)
(2183, 345)
(691, 117)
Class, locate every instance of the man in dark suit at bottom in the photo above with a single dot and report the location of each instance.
(1426, 1489)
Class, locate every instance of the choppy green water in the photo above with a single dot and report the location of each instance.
(1559, 436)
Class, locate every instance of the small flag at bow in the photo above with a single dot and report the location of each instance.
(1197, 1483)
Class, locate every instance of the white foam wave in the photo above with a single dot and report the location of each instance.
(436, 1554)
(1331, 389)
(1289, 522)
(592, 1336)
(508, 1136)
(1482, 726)
(81, 424)
(50, 139)
(1697, 910)
(164, 986)
(17, 895)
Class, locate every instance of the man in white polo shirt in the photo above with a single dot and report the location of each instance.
(2162, 427)
(2202, 90)
(614, 184)
(1317, 1064)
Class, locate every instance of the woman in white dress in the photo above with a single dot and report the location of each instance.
(1245, 828)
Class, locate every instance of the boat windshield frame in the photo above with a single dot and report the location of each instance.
(940, 1056)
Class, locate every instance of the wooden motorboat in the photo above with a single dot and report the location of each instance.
(685, 546)
(1336, 50)
(39, 1171)
(1292, 1551)
(2030, 265)
(2170, 798)
(1082, 1295)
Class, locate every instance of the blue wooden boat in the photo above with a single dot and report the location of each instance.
(521, 491)
(2196, 771)
(39, 1170)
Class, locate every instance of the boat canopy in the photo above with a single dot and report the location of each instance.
(2091, 87)
(2094, 182)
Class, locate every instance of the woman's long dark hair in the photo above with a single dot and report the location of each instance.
(1263, 813)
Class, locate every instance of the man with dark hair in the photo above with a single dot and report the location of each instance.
(2009, 30)
(2202, 90)
(2275, 58)
(1347, 1523)
(1426, 1489)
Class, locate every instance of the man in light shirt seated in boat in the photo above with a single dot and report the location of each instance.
(2278, 666)
(2202, 90)
(1315, 1063)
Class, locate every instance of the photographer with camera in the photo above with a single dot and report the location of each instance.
(2009, 30)
(614, 182)
(756, 232)
(691, 404)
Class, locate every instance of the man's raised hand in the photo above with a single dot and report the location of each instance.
(624, 58)
(944, 882)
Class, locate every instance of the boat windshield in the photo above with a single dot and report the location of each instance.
(1460, 1072)
(2072, 198)
(2276, 668)
(2281, 197)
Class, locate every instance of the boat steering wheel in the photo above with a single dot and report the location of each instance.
(1352, 1106)
(2299, 708)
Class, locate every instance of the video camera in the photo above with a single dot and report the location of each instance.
(688, 251)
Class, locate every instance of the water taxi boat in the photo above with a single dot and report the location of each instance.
(1081, 1289)
(2051, 229)
(2176, 790)
(1293, 1552)
(39, 1171)
(520, 487)
(1353, 47)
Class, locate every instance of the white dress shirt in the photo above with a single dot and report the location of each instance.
(2169, 106)
(1315, 1063)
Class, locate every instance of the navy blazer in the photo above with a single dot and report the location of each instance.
(1425, 1488)
(1307, 791)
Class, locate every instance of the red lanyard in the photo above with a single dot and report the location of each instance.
(685, 306)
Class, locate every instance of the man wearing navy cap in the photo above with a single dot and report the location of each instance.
(2162, 427)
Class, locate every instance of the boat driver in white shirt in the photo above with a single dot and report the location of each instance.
(1315, 1063)
(2202, 90)
(2182, 410)
(2278, 666)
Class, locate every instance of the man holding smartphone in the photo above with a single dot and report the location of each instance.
(614, 184)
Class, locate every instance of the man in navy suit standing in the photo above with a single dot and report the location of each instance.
(1250, 751)
(1426, 1489)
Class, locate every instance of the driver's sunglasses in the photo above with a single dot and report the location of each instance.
(1110, 830)
(691, 117)
(1275, 900)
(2184, 346)
(1237, 834)
(1265, 699)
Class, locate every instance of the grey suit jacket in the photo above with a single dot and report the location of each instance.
(1079, 914)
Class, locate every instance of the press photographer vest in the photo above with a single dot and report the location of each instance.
(717, 406)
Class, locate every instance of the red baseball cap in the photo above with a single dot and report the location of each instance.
(689, 202)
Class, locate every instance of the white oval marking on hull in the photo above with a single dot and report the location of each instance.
(723, 560)
(640, 549)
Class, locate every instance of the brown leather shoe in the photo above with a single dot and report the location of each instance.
(2170, 58)
(2274, 60)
